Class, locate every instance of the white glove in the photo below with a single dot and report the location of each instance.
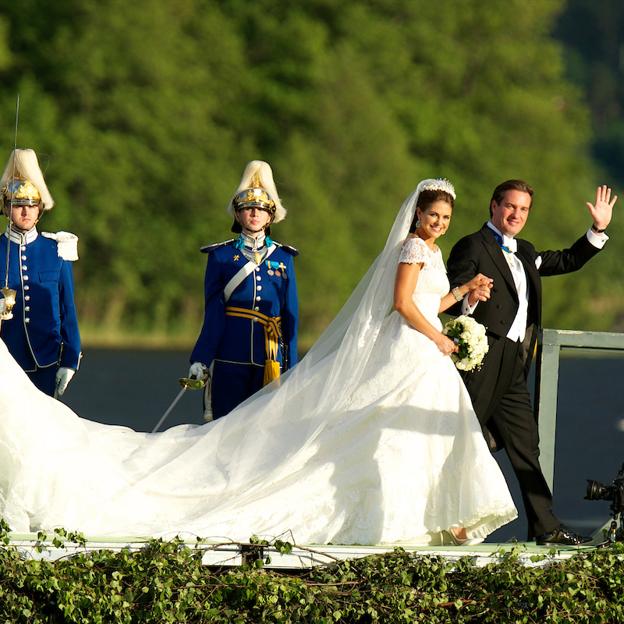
(63, 377)
(198, 370)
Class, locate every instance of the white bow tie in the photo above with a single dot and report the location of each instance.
(510, 243)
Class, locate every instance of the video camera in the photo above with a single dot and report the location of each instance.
(614, 493)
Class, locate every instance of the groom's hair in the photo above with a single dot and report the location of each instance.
(510, 185)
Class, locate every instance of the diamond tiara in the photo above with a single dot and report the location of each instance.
(438, 184)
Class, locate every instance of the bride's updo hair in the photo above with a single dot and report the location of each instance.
(426, 198)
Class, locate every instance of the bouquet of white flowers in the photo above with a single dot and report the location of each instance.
(470, 337)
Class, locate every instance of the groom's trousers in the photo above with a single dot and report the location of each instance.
(501, 399)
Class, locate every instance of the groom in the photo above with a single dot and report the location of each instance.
(499, 390)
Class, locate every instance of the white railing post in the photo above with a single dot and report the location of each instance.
(550, 343)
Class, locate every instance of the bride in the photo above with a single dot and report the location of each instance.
(370, 439)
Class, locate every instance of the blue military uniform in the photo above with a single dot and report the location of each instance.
(43, 333)
(259, 315)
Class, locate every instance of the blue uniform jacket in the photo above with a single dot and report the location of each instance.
(44, 328)
(270, 289)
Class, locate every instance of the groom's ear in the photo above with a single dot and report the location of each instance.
(492, 204)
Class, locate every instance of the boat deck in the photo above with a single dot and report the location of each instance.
(227, 553)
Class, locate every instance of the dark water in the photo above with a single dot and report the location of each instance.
(134, 388)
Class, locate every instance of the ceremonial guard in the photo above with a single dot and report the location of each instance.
(37, 313)
(249, 334)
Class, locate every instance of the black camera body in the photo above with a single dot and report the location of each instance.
(614, 493)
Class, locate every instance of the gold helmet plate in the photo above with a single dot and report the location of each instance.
(21, 193)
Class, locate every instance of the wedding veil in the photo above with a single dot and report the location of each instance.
(286, 416)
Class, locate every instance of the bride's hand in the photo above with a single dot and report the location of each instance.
(479, 281)
(445, 345)
(479, 288)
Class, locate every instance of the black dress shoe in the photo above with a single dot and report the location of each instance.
(561, 536)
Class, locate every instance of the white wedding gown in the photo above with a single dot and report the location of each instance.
(391, 452)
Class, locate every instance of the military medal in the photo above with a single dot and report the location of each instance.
(270, 271)
(277, 274)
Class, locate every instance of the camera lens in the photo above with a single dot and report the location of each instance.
(598, 491)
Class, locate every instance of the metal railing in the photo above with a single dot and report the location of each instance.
(549, 346)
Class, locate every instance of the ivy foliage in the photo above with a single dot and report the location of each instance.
(166, 582)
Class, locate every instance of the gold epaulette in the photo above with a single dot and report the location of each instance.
(209, 248)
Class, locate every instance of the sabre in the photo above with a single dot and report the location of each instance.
(186, 383)
(9, 294)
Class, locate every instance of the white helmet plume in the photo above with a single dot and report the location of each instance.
(23, 165)
(258, 175)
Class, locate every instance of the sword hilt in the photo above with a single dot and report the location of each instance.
(192, 383)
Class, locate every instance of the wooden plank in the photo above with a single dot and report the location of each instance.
(301, 557)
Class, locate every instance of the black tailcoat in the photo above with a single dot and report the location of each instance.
(499, 389)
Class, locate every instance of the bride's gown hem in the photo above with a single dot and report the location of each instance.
(397, 461)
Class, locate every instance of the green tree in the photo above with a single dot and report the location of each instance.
(140, 158)
(145, 115)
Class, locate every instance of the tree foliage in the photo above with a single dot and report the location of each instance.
(144, 115)
(593, 49)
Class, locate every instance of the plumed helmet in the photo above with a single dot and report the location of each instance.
(257, 188)
(22, 182)
(253, 196)
(21, 193)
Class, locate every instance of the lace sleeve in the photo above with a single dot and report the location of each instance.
(414, 251)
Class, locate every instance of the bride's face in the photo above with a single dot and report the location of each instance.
(434, 219)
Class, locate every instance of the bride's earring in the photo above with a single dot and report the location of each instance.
(417, 222)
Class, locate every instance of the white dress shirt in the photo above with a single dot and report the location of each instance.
(518, 327)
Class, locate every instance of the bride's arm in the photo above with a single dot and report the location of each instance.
(478, 287)
(453, 296)
(404, 286)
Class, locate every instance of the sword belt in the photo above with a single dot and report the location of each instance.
(272, 336)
